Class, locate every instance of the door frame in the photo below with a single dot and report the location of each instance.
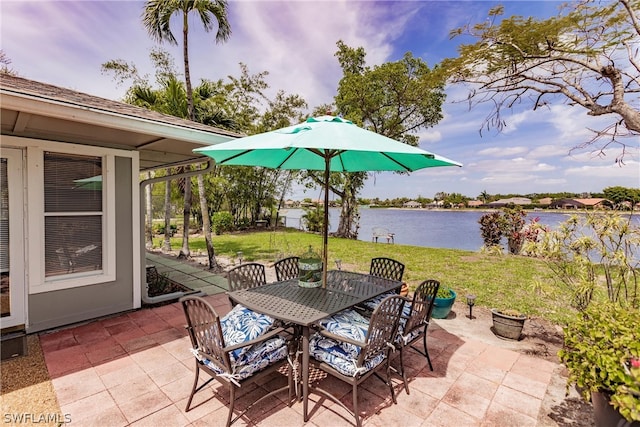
(17, 260)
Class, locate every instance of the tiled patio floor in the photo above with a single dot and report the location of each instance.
(136, 369)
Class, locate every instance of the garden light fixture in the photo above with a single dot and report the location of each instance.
(471, 300)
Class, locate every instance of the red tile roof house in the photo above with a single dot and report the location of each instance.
(72, 221)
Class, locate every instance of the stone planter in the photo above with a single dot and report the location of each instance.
(442, 306)
(507, 326)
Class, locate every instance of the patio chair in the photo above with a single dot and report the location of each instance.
(415, 322)
(287, 268)
(248, 275)
(351, 347)
(386, 268)
(236, 350)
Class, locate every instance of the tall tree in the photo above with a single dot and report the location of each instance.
(157, 20)
(587, 56)
(621, 195)
(396, 99)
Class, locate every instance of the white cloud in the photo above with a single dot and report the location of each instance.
(548, 151)
(430, 136)
(502, 151)
(630, 171)
(64, 43)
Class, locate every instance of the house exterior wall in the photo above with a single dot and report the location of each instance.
(62, 307)
(67, 299)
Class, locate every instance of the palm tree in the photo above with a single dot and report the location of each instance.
(156, 19)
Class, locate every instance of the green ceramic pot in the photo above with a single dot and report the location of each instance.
(442, 306)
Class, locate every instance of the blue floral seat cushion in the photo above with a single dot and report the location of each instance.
(242, 325)
(254, 359)
(406, 339)
(373, 303)
(402, 337)
(348, 324)
(331, 352)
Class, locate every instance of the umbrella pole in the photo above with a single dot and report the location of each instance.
(327, 161)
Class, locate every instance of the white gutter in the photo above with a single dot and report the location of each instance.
(96, 116)
(145, 288)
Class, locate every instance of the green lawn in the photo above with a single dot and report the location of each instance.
(506, 281)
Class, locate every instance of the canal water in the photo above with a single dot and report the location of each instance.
(454, 229)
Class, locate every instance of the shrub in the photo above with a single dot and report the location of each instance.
(313, 219)
(596, 255)
(510, 223)
(513, 221)
(222, 222)
(491, 229)
(596, 346)
(158, 228)
(590, 250)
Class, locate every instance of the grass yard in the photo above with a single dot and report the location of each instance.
(506, 281)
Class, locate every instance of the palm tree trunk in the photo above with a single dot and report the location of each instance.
(206, 223)
(185, 252)
(187, 73)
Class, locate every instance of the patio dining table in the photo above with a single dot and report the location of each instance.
(291, 303)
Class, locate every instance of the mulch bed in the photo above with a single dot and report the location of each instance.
(28, 397)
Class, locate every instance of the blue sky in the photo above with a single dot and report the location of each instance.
(65, 42)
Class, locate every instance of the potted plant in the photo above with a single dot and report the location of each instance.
(508, 323)
(599, 349)
(596, 256)
(443, 302)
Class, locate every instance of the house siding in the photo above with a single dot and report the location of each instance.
(56, 308)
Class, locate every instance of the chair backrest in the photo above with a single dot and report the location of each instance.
(422, 305)
(205, 331)
(387, 268)
(383, 326)
(245, 276)
(287, 268)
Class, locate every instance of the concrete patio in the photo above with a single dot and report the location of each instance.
(136, 369)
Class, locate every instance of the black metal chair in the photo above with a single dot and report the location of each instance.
(414, 325)
(287, 268)
(232, 354)
(248, 275)
(358, 350)
(387, 268)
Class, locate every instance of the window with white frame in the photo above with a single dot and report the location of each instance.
(74, 214)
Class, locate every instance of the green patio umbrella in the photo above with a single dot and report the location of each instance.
(91, 183)
(325, 143)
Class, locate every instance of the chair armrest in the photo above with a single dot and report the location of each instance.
(261, 338)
